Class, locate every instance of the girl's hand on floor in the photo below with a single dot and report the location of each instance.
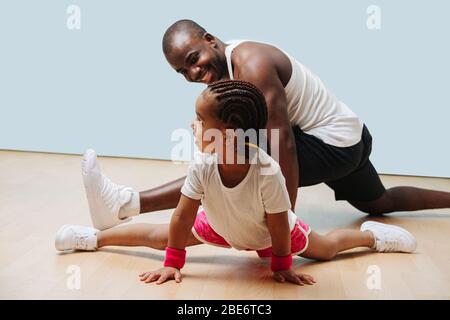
(161, 275)
(291, 276)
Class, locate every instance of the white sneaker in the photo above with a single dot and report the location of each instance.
(71, 237)
(104, 196)
(389, 238)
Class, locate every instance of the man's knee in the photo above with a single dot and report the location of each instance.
(378, 207)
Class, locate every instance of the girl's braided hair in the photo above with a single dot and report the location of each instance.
(240, 104)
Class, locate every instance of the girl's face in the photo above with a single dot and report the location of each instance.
(209, 132)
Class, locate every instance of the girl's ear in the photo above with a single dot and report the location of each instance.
(229, 135)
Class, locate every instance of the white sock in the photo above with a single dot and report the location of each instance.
(132, 207)
(93, 241)
(374, 240)
(374, 243)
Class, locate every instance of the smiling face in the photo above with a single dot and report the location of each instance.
(197, 58)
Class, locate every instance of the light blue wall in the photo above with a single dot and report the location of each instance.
(108, 86)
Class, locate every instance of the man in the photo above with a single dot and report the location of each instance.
(322, 139)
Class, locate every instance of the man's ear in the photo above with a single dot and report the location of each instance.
(208, 37)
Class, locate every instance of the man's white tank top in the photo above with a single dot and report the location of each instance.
(312, 107)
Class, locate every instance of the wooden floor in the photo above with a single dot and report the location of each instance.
(40, 192)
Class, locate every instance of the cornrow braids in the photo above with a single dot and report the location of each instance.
(241, 105)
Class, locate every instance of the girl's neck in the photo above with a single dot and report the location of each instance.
(233, 174)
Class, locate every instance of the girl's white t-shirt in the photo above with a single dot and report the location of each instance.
(238, 214)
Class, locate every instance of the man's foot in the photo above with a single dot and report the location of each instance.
(71, 237)
(104, 196)
(389, 238)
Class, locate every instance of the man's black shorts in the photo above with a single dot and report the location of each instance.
(348, 171)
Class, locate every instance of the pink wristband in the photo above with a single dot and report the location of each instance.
(281, 263)
(175, 258)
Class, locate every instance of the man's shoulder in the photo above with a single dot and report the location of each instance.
(260, 60)
(252, 52)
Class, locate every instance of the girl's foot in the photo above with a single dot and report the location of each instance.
(104, 196)
(71, 237)
(389, 238)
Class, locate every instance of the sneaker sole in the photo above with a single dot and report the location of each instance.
(89, 158)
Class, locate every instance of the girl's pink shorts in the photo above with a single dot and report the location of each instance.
(205, 233)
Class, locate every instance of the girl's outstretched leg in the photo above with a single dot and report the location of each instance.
(326, 247)
(71, 237)
(379, 236)
(135, 235)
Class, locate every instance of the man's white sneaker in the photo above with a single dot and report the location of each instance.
(105, 198)
(71, 237)
(389, 238)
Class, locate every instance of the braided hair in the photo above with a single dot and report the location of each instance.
(240, 104)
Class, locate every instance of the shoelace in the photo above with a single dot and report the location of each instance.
(81, 242)
(390, 244)
(110, 193)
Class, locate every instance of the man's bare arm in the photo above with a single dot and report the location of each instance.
(162, 197)
(262, 72)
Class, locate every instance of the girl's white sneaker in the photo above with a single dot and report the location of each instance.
(389, 238)
(72, 237)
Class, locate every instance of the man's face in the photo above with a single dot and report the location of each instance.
(197, 58)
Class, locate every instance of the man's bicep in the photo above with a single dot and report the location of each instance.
(277, 115)
(263, 74)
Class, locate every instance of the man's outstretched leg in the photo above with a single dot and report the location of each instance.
(162, 197)
(364, 190)
(111, 204)
(405, 199)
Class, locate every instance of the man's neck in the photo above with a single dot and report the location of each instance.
(222, 46)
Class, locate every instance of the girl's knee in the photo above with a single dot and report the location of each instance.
(329, 252)
(157, 241)
(321, 248)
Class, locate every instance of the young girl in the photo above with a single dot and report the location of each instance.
(244, 198)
